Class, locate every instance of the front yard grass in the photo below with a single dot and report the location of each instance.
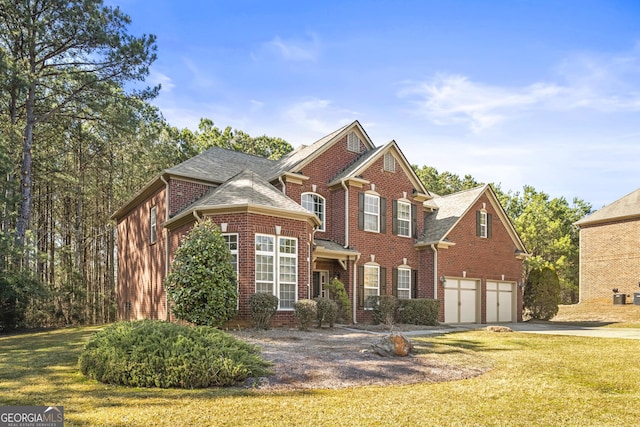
(535, 380)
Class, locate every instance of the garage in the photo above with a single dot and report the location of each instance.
(500, 301)
(461, 300)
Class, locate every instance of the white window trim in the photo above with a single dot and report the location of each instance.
(277, 255)
(265, 253)
(376, 214)
(365, 287)
(407, 221)
(280, 282)
(483, 224)
(235, 252)
(324, 208)
(153, 225)
(408, 272)
(389, 162)
(353, 142)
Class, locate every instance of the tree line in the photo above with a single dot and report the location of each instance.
(78, 137)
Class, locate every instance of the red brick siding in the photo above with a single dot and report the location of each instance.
(609, 258)
(246, 225)
(183, 193)
(480, 258)
(141, 265)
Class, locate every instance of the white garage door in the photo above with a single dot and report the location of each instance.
(500, 302)
(460, 301)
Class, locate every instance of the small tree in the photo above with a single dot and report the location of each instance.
(339, 295)
(202, 283)
(542, 294)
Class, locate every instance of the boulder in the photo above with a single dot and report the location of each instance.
(393, 345)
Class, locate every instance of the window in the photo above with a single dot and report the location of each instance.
(153, 222)
(353, 142)
(371, 283)
(371, 213)
(279, 262)
(483, 224)
(232, 244)
(265, 257)
(288, 271)
(389, 162)
(404, 283)
(403, 218)
(316, 204)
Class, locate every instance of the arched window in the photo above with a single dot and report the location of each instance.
(315, 203)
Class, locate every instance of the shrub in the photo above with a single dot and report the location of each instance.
(419, 311)
(327, 310)
(16, 292)
(263, 307)
(160, 354)
(542, 294)
(384, 309)
(305, 313)
(202, 283)
(339, 294)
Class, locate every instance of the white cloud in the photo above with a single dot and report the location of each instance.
(318, 115)
(156, 77)
(598, 83)
(295, 50)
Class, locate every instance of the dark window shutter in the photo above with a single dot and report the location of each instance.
(361, 211)
(383, 281)
(414, 221)
(316, 284)
(414, 283)
(361, 286)
(489, 216)
(383, 215)
(394, 283)
(394, 206)
(477, 223)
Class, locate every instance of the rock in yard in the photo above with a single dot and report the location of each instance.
(499, 329)
(393, 345)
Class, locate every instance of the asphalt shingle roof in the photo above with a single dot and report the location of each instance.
(626, 207)
(247, 188)
(450, 208)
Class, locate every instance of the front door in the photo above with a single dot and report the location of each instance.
(320, 279)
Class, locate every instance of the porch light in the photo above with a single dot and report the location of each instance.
(443, 280)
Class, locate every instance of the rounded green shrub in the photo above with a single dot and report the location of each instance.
(542, 294)
(385, 308)
(202, 283)
(305, 313)
(327, 311)
(339, 294)
(263, 307)
(418, 311)
(160, 354)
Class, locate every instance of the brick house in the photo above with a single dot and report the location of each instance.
(610, 249)
(340, 207)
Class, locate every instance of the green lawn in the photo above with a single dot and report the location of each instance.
(535, 380)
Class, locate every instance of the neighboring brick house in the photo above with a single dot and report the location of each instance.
(610, 250)
(340, 207)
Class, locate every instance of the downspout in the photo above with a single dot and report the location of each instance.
(197, 217)
(435, 271)
(166, 244)
(284, 186)
(355, 289)
(346, 214)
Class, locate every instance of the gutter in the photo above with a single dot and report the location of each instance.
(355, 289)
(435, 271)
(346, 214)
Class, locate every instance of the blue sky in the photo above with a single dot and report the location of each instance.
(516, 92)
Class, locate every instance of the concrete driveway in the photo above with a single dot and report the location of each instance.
(567, 329)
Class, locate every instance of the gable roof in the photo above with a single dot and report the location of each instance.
(246, 191)
(453, 207)
(628, 207)
(305, 154)
(367, 159)
(220, 164)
